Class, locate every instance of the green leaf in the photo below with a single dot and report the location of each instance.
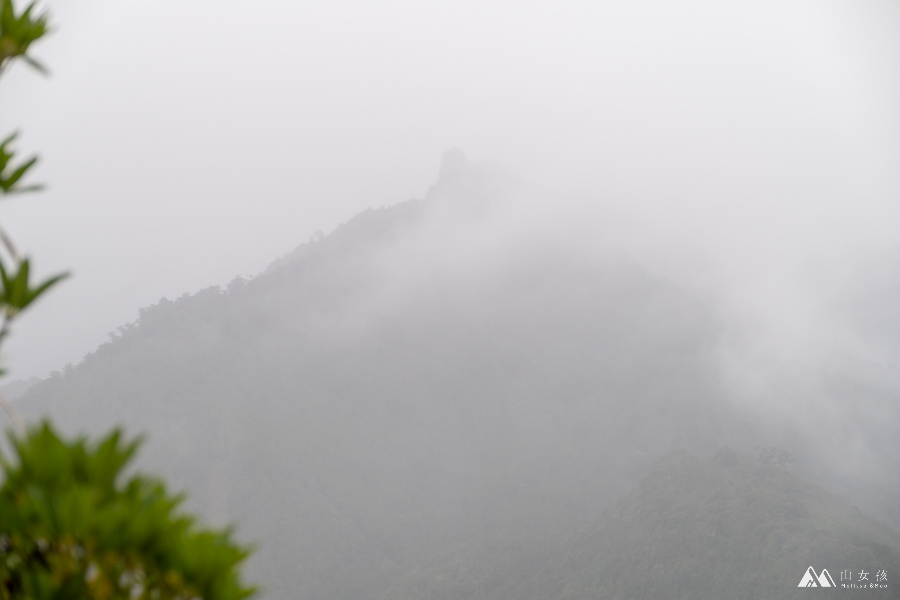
(9, 176)
(17, 33)
(17, 293)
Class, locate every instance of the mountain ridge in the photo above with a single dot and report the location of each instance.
(407, 385)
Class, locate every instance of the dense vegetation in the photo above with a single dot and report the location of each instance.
(725, 527)
(72, 528)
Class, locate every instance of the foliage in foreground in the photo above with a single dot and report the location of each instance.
(71, 526)
(17, 33)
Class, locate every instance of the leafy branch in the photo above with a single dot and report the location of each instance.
(10, 176)
(17, 33)
(75, 523)
(68, 528)
(17, 291)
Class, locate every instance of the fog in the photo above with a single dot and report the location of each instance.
(201, 140)
(747, 152)
(697, 203)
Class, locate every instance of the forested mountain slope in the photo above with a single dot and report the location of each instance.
(725, 527)
(404, 387)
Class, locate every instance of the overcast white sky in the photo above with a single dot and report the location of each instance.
(188, 142)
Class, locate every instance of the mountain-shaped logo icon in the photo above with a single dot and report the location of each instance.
(810, 579)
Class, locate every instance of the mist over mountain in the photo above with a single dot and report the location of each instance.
(724, 527)
(456, 373)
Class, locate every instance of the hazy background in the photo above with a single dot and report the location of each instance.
(750, 149)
